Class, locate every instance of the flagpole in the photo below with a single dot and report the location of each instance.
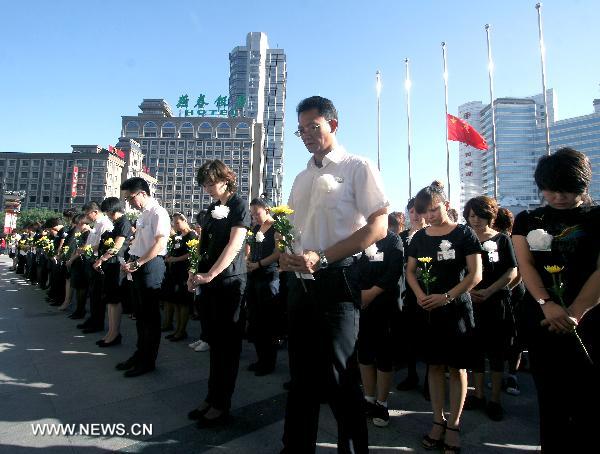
(538, 7)
(378, 88)
(407, 86)
(491, 79)
(446, 117)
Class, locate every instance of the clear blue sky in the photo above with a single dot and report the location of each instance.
(70, 69)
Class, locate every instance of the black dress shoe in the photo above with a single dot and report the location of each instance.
(137, 371)
(101, 341)
(91, 330)
(205, 423)
(115, 341)
(196, 414)
(125, 365)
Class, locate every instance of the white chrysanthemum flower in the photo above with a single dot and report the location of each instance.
(445, 245)
(539, 240)
(327, 183)
(220, 212)
(371, 251)
(490, 246)
(259, 237)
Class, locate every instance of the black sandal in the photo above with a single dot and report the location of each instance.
(447, 447)
(429, 443)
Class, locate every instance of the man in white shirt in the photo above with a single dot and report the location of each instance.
(95, 323)
(147, 266)
(339, 210)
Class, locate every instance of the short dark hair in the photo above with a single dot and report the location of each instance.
(69, 213)
(323, 105)
(134, 184)
(261, 202)
(90, 206)
(179, 216)
(79, 218)
(212, 172)
(434, 193)
(112, 205)
(410, 204)
(52, 222)
(393, 223)
(566, 170)
(483, 206)
(504, 220)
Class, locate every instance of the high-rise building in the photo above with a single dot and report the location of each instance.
(257, 89)
(47, 178)
(175, 147)
(520, 141)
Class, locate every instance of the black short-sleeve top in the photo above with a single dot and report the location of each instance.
(121, 227)
(498, 257)
(575, 243)
(448, 253)
(180, 248)
(260, 250)
(385, 269)
(216, 230)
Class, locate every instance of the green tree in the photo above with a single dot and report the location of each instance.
(33, 215)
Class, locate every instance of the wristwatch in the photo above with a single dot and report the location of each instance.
(323, 263)
(449, 299)
(136, 264)
(543, 301)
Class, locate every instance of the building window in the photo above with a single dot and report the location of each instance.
(168, 129)
(205, 131)
(186, 131)
(132, 129)
(223, 131)
(242, 131)
(150, 129)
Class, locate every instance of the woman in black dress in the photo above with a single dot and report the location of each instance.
(76, 265)
(179, 298)
(222, 275)
(409, 322)
(380, 268)
(262, 293)
(451, 254)
(111, 252)
(564, 233)
(494, 328)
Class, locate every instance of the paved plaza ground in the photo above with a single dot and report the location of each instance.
(51, 373)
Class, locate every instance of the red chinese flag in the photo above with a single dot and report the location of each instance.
(461, 131)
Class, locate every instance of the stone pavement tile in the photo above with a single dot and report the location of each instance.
(18, 409)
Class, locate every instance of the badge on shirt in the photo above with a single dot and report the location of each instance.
(493, 257)
(378, 257)
(446, 252)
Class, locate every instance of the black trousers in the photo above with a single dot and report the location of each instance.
(147, 282)
(323, 330)
(97, 302)
(223, 299)
(21, 261)
(262, 299)
(57, 281)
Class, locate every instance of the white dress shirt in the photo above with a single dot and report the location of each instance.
(101, 225)
(154, 221)
(332, 202)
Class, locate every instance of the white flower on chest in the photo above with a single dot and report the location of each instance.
(490, 246)
(539, 240)
(328, 183)
(259, 237)
(220, 212)
(445, 245)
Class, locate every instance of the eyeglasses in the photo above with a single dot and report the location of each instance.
(312, 129)
(132, 196)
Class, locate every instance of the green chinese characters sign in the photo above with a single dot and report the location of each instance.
(221, 106)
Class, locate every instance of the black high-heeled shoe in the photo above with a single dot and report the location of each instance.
(429, 443)
(115, 341)
(453, 449)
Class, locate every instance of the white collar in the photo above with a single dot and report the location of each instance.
(335, 155)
